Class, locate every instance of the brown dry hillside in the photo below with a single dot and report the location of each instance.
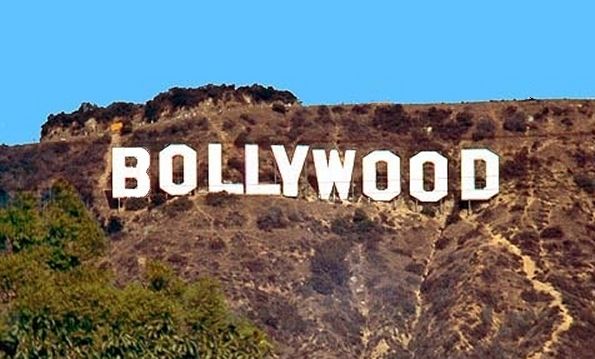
(512, 278)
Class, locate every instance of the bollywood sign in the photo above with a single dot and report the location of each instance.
(332, 172)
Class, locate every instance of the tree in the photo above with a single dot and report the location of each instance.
(56, 301)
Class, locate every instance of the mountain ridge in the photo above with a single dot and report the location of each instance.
(510, 278)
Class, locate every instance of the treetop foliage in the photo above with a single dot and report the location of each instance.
(56, 300)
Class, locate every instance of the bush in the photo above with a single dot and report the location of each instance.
(486, 128)
(514, 120)
(328, 266)
(359, 228)
(323, 114)
(126, 127)
(279, 108)
(57, 302)
(298, 123)
(269, 94)
(234, 219)
(242, 139)
(434, 116)
(449, 130)
(552, 232)
(429, 211)
(279, 314)
(220, 199)
(362, 223)
(360, 109)
(337, 109)
(454, 216)
(415, 268)
(217, 244)
(465, 118)
(392, 118)
(248, 118)
(442, 242)
(273, 218)
(158, 198)
(135, 204)
(541, 115)
(566, 121)
(114, 225)
(228, 125)
(585, 181)
(179, 205)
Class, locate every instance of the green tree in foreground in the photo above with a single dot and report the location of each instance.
(56, 302)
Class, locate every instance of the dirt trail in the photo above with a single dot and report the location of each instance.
(530, 269)
(360, 295)
(102, 181)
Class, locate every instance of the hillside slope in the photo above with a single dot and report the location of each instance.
(511, 277)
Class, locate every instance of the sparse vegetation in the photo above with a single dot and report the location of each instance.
(514, 120)
(136, 204)
(329, 267)
(485, 129)
(585, 181)
(177, 206)
(273, 218)
(429, 211)
(361, 109)
(415, 268)
(392, 118)
(157, 198)
(220, 199)
(518, 166)
(114, 225)
(360, 228)
(552, 232)
(279, 108)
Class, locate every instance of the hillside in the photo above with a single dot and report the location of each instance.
(511, 277)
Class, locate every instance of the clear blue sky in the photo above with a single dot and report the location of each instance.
(56, 54)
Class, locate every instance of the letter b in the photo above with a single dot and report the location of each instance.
(121, 172)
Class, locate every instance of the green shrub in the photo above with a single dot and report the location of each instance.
(55, 301)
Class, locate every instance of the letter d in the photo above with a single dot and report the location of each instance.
(492, 187)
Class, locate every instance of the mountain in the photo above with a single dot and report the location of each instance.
(510, 277)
